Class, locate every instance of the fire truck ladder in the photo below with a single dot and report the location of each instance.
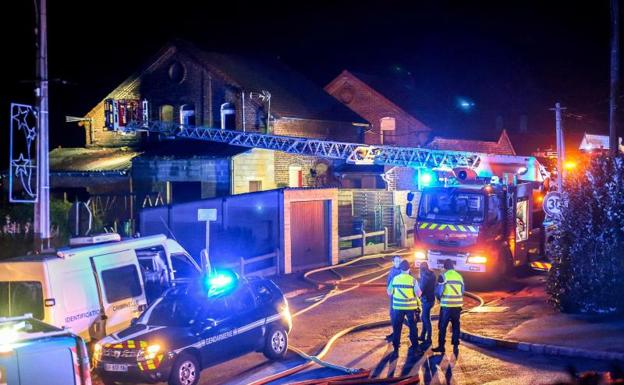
(356, 153)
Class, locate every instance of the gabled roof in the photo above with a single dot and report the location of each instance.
(502, 146)
(592, 142)
(292, 94)
(390, 91)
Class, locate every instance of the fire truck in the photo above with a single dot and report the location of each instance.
(487, 220)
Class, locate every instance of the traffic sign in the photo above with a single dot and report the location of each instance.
(552, 204)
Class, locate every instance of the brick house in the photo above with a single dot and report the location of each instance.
(185, 84)
(502, 146)
(372, 99)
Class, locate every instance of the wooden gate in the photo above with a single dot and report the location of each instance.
(309, 234)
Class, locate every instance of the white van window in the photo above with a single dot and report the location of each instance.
(183, 267)
(121, 283)
(20, 297)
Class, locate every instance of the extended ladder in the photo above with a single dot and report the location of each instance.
(355, 153)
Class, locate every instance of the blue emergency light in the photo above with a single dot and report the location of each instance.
(426, 177)
(219, 282)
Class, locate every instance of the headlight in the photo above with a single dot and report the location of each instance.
(477, 259)
(97, 351)
(148, 353)
(420, 255)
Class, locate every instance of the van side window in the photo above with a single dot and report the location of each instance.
(121, 283)
(20, 297)
(183, 267)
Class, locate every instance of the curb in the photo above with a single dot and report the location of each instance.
(552, 350)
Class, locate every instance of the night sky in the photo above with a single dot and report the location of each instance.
(509, 58)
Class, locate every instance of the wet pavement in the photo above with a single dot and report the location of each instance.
(368, 349)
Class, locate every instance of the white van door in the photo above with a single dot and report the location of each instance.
(76, 299)
(121, 288)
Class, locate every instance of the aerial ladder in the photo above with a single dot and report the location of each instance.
(353, 153)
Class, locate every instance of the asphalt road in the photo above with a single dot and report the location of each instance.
(368, 349)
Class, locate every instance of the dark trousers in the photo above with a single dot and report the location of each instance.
(449, 314)
(397, 327)
(426, 319)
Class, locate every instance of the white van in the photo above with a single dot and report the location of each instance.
(94, 289)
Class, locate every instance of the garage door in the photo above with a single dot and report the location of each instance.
(309, 234)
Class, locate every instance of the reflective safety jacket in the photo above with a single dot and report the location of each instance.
(403, 295)
(453, 292)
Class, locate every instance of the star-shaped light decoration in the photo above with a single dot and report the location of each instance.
(21, 165)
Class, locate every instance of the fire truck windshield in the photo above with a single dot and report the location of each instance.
(451, 206)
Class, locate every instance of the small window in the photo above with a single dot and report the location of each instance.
(121, 283)
(242, 300)
(166, 113)
(255, 185)
(183, 268)
(187, 115)
(21, 297)
(388, 127)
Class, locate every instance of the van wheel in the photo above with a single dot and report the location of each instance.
(185, 371)
(276, 343)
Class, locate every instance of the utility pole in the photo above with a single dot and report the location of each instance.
(615, 74)
(560, 146)
(42, 206)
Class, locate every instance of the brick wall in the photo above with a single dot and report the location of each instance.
(372, 106)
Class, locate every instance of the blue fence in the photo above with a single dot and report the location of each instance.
(247, 225)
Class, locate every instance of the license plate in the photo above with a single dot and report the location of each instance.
(116, 367)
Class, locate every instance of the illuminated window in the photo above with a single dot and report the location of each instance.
(387, 128)
(295, 176)
(166, 113)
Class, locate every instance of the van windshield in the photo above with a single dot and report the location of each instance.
(450, 205)
(21, 297)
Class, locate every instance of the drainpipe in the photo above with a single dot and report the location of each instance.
(243, 100)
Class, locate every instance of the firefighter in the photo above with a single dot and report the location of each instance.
(451, 291)
(394, 271)
(405, 294)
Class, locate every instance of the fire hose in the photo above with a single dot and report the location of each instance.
(317, 359)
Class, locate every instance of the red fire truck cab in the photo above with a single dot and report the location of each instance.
(484, 228)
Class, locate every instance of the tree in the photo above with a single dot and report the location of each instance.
(588, 267)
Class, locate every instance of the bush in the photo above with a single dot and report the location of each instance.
(588, 267)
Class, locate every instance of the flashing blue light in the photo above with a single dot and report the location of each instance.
(426, 177)
(220, 282)
(465, 104)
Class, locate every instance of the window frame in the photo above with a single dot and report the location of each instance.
(104, 274)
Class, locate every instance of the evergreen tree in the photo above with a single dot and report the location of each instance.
(588, 267)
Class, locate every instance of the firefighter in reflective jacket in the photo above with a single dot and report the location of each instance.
(451, 291)
(405, 294)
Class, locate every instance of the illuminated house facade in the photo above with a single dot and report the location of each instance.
(184, 84)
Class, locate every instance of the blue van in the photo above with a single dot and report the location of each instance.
(35, 353)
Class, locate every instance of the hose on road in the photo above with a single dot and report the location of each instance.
(317, 359)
